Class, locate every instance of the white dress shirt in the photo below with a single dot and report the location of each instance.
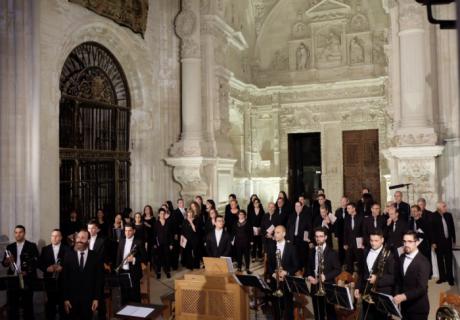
(218, 234)
(296, 230)
(92, 240)
(408, 260)
(280, 246)
(126, 251)
(444, 226)
(19, 246)
(85, 256)
(371, 257)
(56, 251)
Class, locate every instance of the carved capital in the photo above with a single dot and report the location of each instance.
(411, 15)
(411, 139)
(189, 173)
(186, 23)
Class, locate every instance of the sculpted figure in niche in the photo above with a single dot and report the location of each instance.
(331, 51)
(356, 51)
(302, 57)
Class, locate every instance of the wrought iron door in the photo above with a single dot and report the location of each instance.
(94, 117)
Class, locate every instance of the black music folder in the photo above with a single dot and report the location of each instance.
(339, 295)
(297, 285)
(384, 303)
(122, 280)
(250, 280)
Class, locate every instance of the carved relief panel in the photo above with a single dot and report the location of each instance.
(329, 44)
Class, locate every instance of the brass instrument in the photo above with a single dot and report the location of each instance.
(278, 293)
(321, 292)
(15, 269)
(131, 253)
(447, 312)
(378, 273)
(55, 273)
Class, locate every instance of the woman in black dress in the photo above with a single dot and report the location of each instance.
(139, 227)
(190, 235)
(211, 222)
(149, 222)
(243, 240)
(103, 224)
(162, 244)
(255, 218)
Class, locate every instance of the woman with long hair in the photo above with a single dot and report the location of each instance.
(255, 218)
(190, 231)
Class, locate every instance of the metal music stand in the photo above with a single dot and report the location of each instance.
(339, 295)
(385, 303)
(297, 285)
(256, 282)
(115, 282)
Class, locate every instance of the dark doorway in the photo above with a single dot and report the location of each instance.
(304, 164)
(361, 163)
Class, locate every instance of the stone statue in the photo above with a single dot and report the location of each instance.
(302, 57)
(356, 51)
(331, 51)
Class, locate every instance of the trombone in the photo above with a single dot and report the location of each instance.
(15, 269)
(131, 253)
(278, 293)
(321, 292)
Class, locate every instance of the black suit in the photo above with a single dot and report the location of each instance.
(422, 228)
(283, 306)
(81, 287)
(100, 249)
(331, 270)
(225, 245)
(340, 214)
(268, 221)
(385, 281)
(370, 224)
(353, 255)
(53, 283)
(444, 244)
(395, 232)
(404, 210)
(414, 284)
(135, 270)
(304, 226)
(24, 297)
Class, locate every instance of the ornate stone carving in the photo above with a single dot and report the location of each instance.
(299, 30)
(426, 139)
(302, 57)
(189, 48)
(329, 46)
(186, 22)
(359, 23)
(280, 60)
(380, 39)
(411, 15)
(356, 50)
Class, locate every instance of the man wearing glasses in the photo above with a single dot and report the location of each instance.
(414, 275)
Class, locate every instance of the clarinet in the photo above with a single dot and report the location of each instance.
(15, 269)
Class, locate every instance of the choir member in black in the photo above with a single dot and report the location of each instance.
(287, 203)
(320, 201)
(372, 222)
(427, 215)
(255, 219)
(250, 206)
(243, 241)
(24, 254)
(103, 224)
(116, 234)
(199, 200)
(231, 197)
(71, 226)
(443, 241)
(353, 238)
(82, 279)
(218, 241)
(176, 220)
(199, 221)
(162, 244)
(396, 228)
(131, 254)
(414, 272)
(402, 207)
(190, 232)
(289, 264)
(331, 269)
(141, 233)
(378, 274)
(50, 263)
(211, 222)
(360, 202)
(323, 221)
(267, 226)
(305, 203)
(299, 232)
(283, 210)
(128, 215)
(231, 217)
(421, 226)
(340, 215)
(149, 221)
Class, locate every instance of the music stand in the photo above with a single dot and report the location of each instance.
(339, 295)
(256, 282)
(115, 282)
(136, 311)
(297, 285)
(385, 303)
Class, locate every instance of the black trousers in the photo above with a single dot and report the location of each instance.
(131, 294)
(54, 304)
(174, 261)
(302, 250)
(240, 253)
(162, 256)
(322, 308)
(20, 299)
(444, 258)
(283, 308)
(81, 309)
(257, 247)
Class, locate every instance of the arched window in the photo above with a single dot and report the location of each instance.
(94, 114)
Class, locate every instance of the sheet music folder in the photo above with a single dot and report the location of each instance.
(297, 285)
(254, 281)
(385, 303)
(122, 280)
(339, 295)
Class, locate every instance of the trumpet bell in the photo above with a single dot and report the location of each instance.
(321, 292)
(447, 313)
(278, 293)
(368, 299)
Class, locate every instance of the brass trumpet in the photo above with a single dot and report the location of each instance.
(278, 293)
(321, 291)
(131, 253)
(15, 269)
(378, 273)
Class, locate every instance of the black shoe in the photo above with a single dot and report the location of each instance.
(158, 275)
(440, 281)
(168, 275)
(248, 271)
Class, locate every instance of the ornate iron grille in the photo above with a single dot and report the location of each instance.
(94, 120)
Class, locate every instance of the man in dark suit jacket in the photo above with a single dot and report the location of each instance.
(299, 230)
(395, 229)
(284, 211)
(50, 263)
(341, 214)
(414, 273)
(372, 222)
(289, 263)
(443, 241)
(378, 272)
(82, 279)
(352, 235)
(131, 251)
(420, 225)
(23, 254)
(269, 221)
(331, 269)
(402, 207)
(318, 203)
(224, 247)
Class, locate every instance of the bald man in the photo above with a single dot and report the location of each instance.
(443, 237)
(402, 207)
(283, 309)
